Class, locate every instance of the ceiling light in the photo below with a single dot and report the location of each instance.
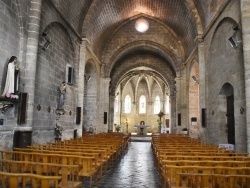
(141, 25)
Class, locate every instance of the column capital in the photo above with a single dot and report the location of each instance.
(199, 39)
(177, 78)
(85, 41)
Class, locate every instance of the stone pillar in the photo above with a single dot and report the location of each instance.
(184, 97)
(81, 78)
(202, 82)
(202, 73)
(111, 112)
(245, 17)
(178, 101)
(31, 57)
(104, 102)
(172, 105)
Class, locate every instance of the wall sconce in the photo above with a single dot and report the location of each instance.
(195, 80)
(233, 41)
(46, 43)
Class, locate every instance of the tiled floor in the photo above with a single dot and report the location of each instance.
(135, 169)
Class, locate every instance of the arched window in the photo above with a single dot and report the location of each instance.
(142, 108)
(127, 104)
(157, 105)
(117, 104)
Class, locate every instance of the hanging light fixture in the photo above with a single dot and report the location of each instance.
(141, 25)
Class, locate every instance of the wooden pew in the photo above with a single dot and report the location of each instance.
(172, 173)
(43, 169)
(13, 180)
(217, 180)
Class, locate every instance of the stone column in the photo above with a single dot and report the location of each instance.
(202, 82)
(202, 72)
(111, 112)
(173, 120)
(81, 78)
(25, 131)
(184, 97)
(178, 101)
(104, 102)
(245, 17)
(31, 56)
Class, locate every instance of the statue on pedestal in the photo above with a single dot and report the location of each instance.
(61, 98)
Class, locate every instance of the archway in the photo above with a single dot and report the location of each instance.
(227, 102)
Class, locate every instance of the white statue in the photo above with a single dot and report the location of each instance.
(11, 84)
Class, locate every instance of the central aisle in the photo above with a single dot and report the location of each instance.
(135, 169)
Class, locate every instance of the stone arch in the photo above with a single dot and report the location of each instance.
(226, 106)
(194, 115)
(180, 53)
(49, 19)
(196, 15)
(166, 78)
(60, 26)
(146, 45)
(90, 96)
(51, 72)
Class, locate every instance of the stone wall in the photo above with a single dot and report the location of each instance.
(13, 32)
(245, 16)
(224, 64)
(51, 68)
(51, 72)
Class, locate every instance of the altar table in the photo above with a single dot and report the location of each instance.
(141, 129)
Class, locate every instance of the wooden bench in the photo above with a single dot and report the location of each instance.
(216, 180)
(66, 171)
(172, 173)
(13, 180)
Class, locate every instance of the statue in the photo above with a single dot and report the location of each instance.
(12, 77)
(62, 95)
(58, 131)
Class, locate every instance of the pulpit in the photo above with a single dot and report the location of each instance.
(141, 129)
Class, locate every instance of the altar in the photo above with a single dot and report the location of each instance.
(141, 129)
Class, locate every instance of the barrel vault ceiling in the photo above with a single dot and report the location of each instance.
(97, 19)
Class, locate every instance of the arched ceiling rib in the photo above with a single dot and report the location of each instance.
(147, 47)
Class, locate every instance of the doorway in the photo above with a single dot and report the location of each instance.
(230, 120)
(227, 94)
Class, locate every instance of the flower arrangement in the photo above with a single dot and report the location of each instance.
(11, 96)
(118, 128)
